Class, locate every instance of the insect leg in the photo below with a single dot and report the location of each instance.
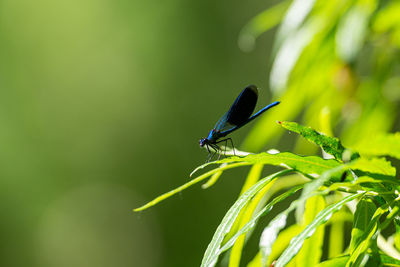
(233, 147)
(216, 149)
(226, 142)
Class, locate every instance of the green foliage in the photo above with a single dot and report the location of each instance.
(330, 145)
(317, 75)
(324, 175)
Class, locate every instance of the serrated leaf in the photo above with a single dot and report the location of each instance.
(329, 144)
(362, 217)
(321, 218)
(381, 145)
(311, 251)
(213, 249)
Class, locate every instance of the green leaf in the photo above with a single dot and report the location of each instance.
(362, 217)
(311, 251)
(213, 249)
(342, 260)
(282, 241)
(320, 219)
(245, 217)
(336, 233)
(269, 235)
(309, 190)
(374, 165)
(186, 185)
(397, 236)
(309, 164)
(214, 178)
(380, 145)
(252, 223)
(389, 261)
(388, 18)
(335, 262)
(369, 234)
(252, 177)
(329, 144)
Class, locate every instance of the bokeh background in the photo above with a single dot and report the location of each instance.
(102, 104)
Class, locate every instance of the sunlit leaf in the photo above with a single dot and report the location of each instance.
(362, 217)
(279, 221)
(321, 218)
(342, 260)
(387, 17)
(374, 165)
(252, 178)
(335, 262)
(310, 164)
(336, 233)
(269, 235)
(282, 241)
(311, 251)
(213, 249)
(186, 185)
(369, 234)
(330, 145)
(245, 218)
(381, 145)
(252, 223)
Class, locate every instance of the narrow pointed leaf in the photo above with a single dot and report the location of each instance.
(311, 251)
(321, 218)
(252, 223)
(213, 249)
(186, 185)
(362, 217)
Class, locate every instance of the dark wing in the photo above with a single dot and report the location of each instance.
(243, 106)
(222, 124)
(240, 110)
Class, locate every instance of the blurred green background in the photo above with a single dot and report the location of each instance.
(102, 105)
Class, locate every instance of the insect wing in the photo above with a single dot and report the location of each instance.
(223, 124)
(243, 106)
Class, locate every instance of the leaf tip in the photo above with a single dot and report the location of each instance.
(137, 209)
